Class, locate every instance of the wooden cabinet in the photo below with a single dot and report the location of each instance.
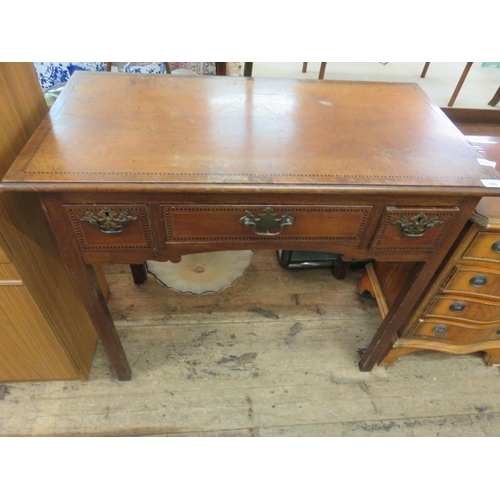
(45, 332)
(460, 312)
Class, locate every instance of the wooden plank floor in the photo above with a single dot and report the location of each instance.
(274, 355)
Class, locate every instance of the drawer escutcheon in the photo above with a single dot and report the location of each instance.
(108, 221)
(457, 307)
(440, 331)
(478, 281)
(496, 246)
(417, 226)
(265, 222)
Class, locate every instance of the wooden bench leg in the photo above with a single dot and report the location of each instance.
(492, 357)
(340, 268)
(322, 70)
(424, 71)
(365, 285)
(495, 99)
(139, 273)
(103, 322)
(460, 83)
(304, 67)
(89, 289)
(221, 68)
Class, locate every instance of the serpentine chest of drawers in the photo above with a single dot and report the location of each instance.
(460, 314)
(134, 167)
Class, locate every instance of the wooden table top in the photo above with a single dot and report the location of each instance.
(145, 131)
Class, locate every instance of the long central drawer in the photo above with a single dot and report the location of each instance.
(195, 223)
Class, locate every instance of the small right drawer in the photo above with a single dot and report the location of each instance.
(404, 229)
(486, 246)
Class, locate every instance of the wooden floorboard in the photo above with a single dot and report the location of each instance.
(274, 355)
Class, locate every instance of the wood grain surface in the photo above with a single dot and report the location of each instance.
(45, 332)
(259, 359)
(133, 128)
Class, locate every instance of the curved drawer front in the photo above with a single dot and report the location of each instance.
(419, 229)
(478, 282)
(111, 227)
(196, 223)
(456, 333)
(461, 308)
(486, 246)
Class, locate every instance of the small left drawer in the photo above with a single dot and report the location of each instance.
(111, 227)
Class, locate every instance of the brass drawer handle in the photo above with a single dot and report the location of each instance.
(478, 281)
(457, 307)
(440, 331)
(417, 226)
(496, 246)
(266, 222)
(108, 221)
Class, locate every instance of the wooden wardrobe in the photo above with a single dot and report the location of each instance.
(45, 332)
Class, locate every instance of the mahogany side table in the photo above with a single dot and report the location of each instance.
(131, 167)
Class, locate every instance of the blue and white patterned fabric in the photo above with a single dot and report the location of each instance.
(53, 73)
(152, 67)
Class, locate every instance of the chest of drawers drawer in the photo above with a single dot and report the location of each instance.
(199, 223)
(474, 281)
(461, 308)
(111, 227)
(486, 246)
(459, 333)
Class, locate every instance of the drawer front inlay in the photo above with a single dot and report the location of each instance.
(111, 227)
(407, 229)
(196, 223)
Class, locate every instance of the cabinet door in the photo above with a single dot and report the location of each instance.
(45, 332)
(29, 350)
